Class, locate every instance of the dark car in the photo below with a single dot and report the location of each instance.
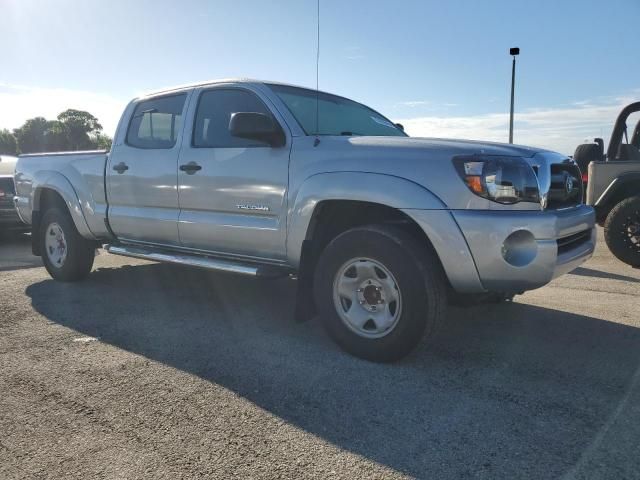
(9, 219)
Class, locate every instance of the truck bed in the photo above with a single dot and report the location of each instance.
(79, 174)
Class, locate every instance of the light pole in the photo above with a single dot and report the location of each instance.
(514, 52)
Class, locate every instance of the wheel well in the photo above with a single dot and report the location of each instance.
(626, 190)
(333, 217)
(50, 197)
(46, 198)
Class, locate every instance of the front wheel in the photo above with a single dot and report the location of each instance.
(67, 256)
(378, 291)
(622, 231)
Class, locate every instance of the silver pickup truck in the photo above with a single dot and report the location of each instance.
(259, 178)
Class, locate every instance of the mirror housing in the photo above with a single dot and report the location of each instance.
(256, 126)
(399, 126)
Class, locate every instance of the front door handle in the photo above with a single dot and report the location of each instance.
(190, 168)
(121, 167)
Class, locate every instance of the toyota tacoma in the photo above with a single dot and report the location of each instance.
(381, 230)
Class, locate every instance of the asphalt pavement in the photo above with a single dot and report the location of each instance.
(157, 371)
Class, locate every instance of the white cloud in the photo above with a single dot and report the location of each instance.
(414, 103)
(561, 129)
(354, 53)
(19, 103)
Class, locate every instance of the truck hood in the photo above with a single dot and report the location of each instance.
(423, 161)
(450, 146)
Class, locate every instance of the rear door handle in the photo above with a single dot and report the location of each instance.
(121, 167)
(190, 168)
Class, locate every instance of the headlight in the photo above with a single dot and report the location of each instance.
(504, 180)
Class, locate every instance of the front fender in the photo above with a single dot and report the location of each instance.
(388, 190)
(61, 185)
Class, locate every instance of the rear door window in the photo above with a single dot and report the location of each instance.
(156, 123)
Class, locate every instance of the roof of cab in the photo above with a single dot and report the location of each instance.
(206, 83)
(212, 82)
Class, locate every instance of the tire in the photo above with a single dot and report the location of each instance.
(622, 231)
(73, 258)
(403, 271)
(587, 153)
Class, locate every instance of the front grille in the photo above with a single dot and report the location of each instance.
(570, 242)
(6, 192)
(566, 186)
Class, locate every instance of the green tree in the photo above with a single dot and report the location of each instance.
(80, 126)
(31, 135)
(8, 144)
(73, 130)
(56, 137)
(101, 141)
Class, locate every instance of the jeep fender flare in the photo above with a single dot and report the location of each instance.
(616, 185)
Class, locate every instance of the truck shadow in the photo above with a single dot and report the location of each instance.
(499, 392)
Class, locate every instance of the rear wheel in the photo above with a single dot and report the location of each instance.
(622, 231)
(378, 291)
(67, 256)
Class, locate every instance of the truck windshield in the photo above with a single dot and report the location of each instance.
(336, 115)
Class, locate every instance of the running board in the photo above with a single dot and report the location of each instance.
(201, 261)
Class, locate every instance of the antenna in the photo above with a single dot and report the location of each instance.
(317, 140)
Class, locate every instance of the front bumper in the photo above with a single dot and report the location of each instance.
(518, 250)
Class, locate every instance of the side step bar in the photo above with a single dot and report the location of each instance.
(201, 261)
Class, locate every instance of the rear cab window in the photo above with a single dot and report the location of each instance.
(156, 123)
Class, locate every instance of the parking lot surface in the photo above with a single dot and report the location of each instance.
(157, 371)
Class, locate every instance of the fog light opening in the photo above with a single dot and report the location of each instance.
(520, 248)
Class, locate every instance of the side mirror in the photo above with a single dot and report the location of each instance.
(400, 126)
(256, 126)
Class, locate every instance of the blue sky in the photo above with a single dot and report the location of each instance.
(440, 67)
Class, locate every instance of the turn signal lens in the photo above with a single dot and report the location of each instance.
(474, 183)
